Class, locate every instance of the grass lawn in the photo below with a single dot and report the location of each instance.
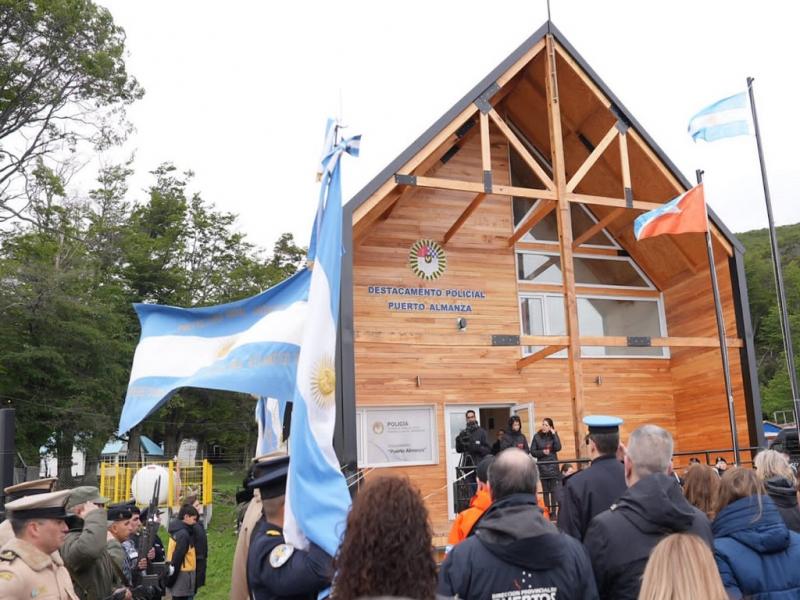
(221, 534)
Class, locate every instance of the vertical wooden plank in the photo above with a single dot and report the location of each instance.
(486, 155)
(625, 165)
(565, 242)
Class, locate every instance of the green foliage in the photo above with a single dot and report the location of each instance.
(68, 275)
(63, 81)
(771, 358)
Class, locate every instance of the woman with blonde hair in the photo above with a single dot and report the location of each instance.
(756, 554)
(681, 567)
(774, 470)
(701, 486)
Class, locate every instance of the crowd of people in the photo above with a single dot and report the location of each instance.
(628, 526)
(74, 545)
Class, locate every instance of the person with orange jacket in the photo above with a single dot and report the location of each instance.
(480, 502)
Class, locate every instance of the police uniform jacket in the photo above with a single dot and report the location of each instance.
(88, 560)
(590, 492)
(277, 571)
(515, 552)
(6, 533)
(26, 572)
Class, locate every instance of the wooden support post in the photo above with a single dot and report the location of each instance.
(599, 226)
(463, 217)
(565, 243)
(626, 166)
(486, 152)
(537, 214)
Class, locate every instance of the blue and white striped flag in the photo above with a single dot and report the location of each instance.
(249, 346)
(727, 118)
(269, 417)
(317, 496)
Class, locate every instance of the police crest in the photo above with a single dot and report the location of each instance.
(427, 259)
(280, 554)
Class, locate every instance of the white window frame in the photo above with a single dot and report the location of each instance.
(649, 284)
(361, 435)
(662, 320)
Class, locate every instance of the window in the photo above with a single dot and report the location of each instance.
(543, 314)
(606, 271)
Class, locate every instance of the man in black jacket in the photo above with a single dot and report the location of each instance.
(589, 492)
(620, 539)
(514, 551)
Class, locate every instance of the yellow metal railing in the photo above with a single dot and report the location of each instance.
(183, 479)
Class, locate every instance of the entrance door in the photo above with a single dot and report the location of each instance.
(455, 419)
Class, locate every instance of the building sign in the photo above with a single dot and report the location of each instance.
(427, 259)
(420, 299)
(397, 436)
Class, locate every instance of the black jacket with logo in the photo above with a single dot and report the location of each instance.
(620, 539)
(516, 553)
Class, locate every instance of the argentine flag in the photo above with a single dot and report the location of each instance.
(249, 346)
(269, 418)
(727, 118)
(317, 496)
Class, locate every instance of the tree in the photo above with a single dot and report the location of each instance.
(63, 82)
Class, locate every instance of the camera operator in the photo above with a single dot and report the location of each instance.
(473, 446)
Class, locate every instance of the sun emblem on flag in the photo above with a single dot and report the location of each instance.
(225, 348)
(427, 259)
(323, 382)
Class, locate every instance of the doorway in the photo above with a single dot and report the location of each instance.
(493, 418)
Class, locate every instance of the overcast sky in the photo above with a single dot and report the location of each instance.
(239, 91)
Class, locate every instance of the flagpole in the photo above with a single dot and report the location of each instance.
(776, 267)
(723, 342)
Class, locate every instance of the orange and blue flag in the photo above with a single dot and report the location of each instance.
(684, 214)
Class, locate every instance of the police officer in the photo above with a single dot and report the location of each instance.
(30, 565)
(276, 570)
(593, 490)
(15, 492)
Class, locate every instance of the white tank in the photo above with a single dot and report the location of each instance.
(144, 482)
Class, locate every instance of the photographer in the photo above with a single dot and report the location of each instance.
(473, 446)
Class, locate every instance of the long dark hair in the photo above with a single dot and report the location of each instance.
(387, 548)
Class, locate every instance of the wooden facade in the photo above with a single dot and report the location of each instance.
(540, 137)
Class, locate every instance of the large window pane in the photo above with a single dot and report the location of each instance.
(539, 268)
(606, 271)
(610, 317)
(543, 315)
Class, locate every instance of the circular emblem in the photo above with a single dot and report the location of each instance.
(377, 428)
(280, 554)
(427, 259)
(323, 382)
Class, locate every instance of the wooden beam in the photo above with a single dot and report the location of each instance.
(463, 217)
(564, 219)
(478, 188)
(597, 227)
(622, 341)
(537, 356)
(521, 62)
(550, 247)
(585, 290)
(434, 160)
(625, 164)
(589, 162)
(615, 202)
(486, 144)
(536, 215)
(400, 193)
(521, 149)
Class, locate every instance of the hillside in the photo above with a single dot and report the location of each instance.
(772, 374)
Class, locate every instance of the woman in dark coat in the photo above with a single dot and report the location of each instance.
(774, 470)
(514, 438)
(756, 554)
(545, 447)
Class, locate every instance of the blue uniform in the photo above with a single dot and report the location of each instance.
(276, 571)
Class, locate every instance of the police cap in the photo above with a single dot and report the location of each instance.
(602, 423)
(29, 488)
(118, 512)
(85, 493)
(49, 505)
(270, 476)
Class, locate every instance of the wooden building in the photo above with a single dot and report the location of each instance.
(493, 266)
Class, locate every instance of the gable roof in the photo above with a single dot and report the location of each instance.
(548, 27)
